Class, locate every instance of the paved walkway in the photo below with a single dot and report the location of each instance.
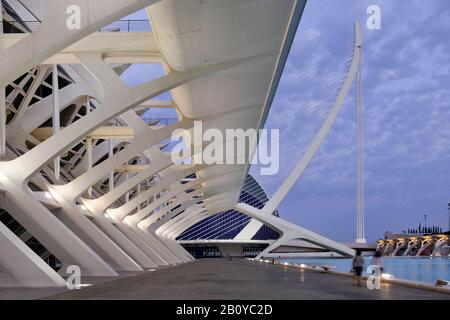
(240, 279)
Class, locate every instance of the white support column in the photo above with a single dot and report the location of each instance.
(2, 124)
(89, 159)
(360, 206)
(51, 232)
(127, 195)
(88, 105)
(2, 106)
(111, 174)
(56, 118)
(1, 18)
(89, 145)
(23, 265)
(177, 190)
(138, 194)
(149, 248)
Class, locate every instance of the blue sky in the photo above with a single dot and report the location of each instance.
(407, 117)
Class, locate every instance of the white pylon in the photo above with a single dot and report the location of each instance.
(2, 106)
(360, 205)
(2, 124)
(56, 118)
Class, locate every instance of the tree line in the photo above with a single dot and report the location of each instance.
(420, 229)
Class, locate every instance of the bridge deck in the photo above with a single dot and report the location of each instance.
(240, 279)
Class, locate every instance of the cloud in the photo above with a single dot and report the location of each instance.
(407, 103)
(312, 34)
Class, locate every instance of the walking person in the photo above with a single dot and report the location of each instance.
(358, 266)
(377, 260)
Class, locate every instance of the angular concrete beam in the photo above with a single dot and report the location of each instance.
(111, 132)
(116, 47)
(53, 35)
(26, 268)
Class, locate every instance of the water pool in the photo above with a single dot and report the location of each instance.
(408, 268)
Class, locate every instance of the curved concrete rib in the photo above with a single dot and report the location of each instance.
(169, 176)
(118, 99)
(184, 204)
(289, 231)
(91, 236)
(183, 222)
(181, 197)
(142, 142)
(53, 35)
(177, 189)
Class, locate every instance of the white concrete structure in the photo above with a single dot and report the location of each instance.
(83, 174)
(360, 202)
